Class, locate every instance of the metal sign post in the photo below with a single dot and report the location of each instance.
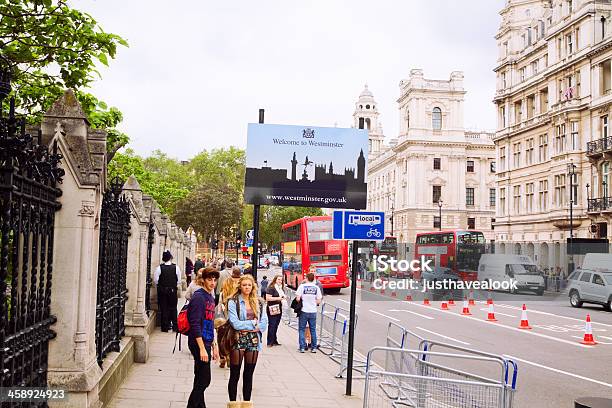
(255, 258)
(358, 226)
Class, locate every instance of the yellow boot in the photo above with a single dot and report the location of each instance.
(234, 404)
(247, 404)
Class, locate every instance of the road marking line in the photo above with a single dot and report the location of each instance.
(388, 317)
(443, 336)
(347, 302)
(550, 314)
(498, 313)
(556, 370)
(494, 324)
(414, 313)
(605, 337)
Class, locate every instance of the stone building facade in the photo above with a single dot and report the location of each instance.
(434, 159)
(553, 98)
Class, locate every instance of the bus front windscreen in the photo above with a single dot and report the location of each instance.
(470, 247)
(319, 230)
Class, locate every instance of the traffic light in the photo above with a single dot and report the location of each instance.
(238, 243)
(215, 244)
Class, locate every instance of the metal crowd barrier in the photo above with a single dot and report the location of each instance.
(289, 317)
(436, 384)
(415, 376)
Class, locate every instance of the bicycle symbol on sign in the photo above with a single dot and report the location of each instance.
(373, 232)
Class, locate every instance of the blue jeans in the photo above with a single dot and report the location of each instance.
(311, 319)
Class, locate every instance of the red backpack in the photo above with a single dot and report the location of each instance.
(183, 327)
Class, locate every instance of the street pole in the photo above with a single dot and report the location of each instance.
(351, 339)
(392, 229)
(439, 215)
(256, 223)
(572, 174)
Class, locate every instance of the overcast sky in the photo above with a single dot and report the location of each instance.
(196, 71)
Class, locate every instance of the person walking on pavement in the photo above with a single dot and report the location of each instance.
(201, 336)
(264, 286)
(199, 264)
(189, 267)
(310, 295)
(275, 294)
(229, 289)
(225, 274)
(167, 276)
(247, 318)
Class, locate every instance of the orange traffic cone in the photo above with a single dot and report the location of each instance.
(466, 309)
(451, 302)
(372, 288)
(524, 322)
(444, 306)
(393, 294)
(426, 301)
(588, 333)
(491, 314)
(409, 298)
(382, 291)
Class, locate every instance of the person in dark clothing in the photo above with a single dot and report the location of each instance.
(264, 286)
(167, 276)
(275, 294)
(201, 337)
(188, 270)
(199, 264)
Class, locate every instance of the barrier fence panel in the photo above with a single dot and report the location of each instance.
(435, 379)
(289, 316)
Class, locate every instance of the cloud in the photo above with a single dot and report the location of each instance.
(197, 72)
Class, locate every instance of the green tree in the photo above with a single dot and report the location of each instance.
(212, 209)
(49, 46)
(272, 219)
(219, 165)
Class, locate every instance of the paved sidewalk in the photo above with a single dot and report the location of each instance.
(283, 378)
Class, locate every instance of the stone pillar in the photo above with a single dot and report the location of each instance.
(158, 248)
(136, 319)
(72, 354)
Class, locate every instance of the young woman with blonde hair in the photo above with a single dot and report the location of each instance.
(247, 317)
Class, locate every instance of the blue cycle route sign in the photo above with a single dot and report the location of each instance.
(359, 225)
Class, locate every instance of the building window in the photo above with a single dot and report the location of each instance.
(469, 196)
(574, 135)
(522, 73)
(569, 45)
(502, 201)
(436, 164)
(604, 126)
(543, 148)
(437, 193)
(534, 67)
(529, 192)
(570, 6)
(492, 167)
(436, 221)
(574, 189)
(502, 116)
(529, 151)
(492, 223)
(605, 82)
(492, 199)
(560, 196)
(517, 155)
(471, 223)
(544, 100)
(470, 166)
(530, 106)
(560, 138)
(517, 199)
(518, 111)
(502, 159)
(436, 118)
(503, 78)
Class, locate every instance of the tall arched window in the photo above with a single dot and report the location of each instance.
(436, 118)
(408, 119)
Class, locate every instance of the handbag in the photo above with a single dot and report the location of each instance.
(227, 336)
(274, 310)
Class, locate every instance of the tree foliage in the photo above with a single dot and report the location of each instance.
(272, 219)
(212, 208)
(48, 47)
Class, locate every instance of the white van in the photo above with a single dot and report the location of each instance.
(500, 268)
(597, 262)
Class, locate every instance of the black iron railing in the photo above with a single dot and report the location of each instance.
(599, 145)
(599, 204)
(150, 241)
(29, 174)
(112, 270)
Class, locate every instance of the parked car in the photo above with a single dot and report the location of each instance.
(590, 286)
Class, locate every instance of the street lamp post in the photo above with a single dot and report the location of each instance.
(392, 213)
(439, 214)
(571, 170)
(588, 198)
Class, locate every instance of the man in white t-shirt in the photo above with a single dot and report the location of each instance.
(310, 295)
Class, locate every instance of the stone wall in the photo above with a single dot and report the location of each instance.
(72, 354)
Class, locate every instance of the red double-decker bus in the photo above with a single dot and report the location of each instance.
(457, 250)
(308, 241)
